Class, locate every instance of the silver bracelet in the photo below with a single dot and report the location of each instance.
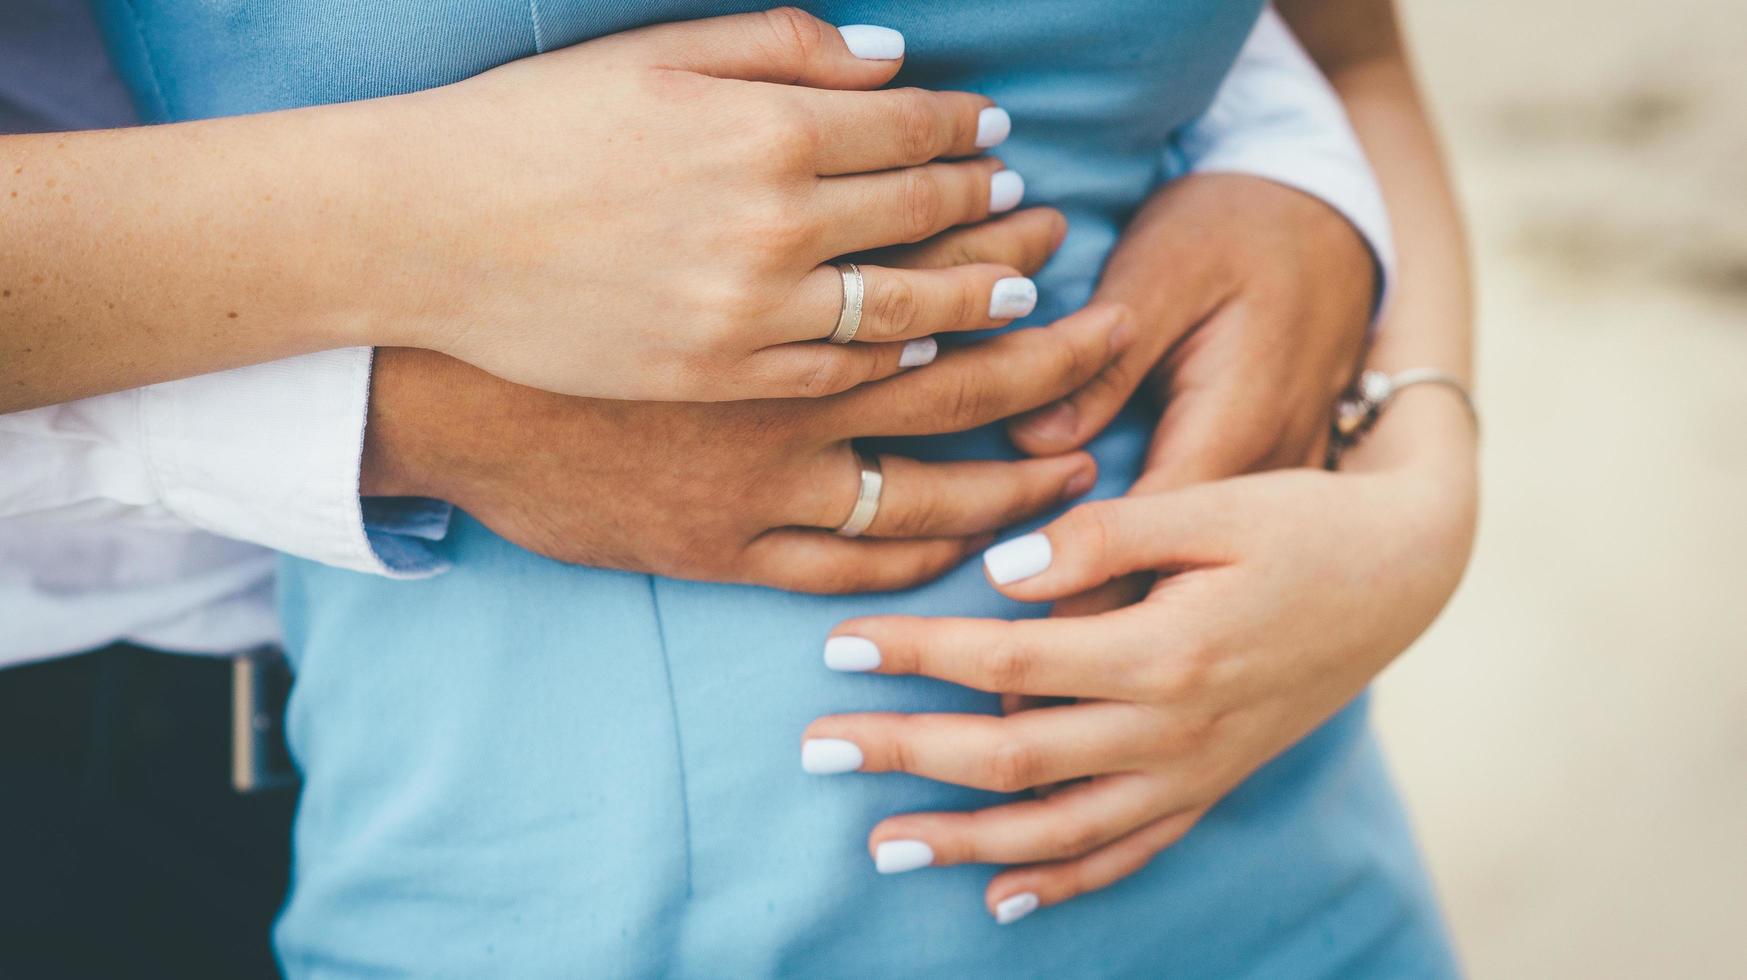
(1358, 411)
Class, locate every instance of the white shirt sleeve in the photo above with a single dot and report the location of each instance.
(268, 454)
(1277, 117)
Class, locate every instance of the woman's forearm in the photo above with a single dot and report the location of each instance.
(133, 256)
(1428, 322)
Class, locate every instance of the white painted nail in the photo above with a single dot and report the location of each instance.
(1012, 297)
(1012, 909)
(898, 856)
(851, 653)
(918, 352)
(993, 126)
(1006, 190)
(1020, 558)
(873, 43)
(829, 756)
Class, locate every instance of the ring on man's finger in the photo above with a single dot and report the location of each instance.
(867, 496)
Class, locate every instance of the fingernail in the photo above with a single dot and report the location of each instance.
(1013, 297)
(1011, 910)
(829, 756)
(873, 43)
(993, 126)
(918, 352)
(1056, 422)
(853, 653)
(1006, 189)
(1079, 483)
(898, 856)
(1020, 558)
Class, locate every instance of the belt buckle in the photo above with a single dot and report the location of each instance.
(260, 685)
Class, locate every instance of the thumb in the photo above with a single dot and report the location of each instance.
(1106, 539)
(785, 45)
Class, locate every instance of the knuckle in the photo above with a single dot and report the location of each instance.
(1015, 766)
(828, 376)
(791, 140)
(778, 230)
(913, 124)
(916, 518)
(895, 308)
(900, 753)
(970, 304)
(793, 29)
(1183, 674)
(1091, 527)
(1007, 664)
(921, 203)
(1070, 838)
(967, 401)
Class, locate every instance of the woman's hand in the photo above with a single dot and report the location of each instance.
(644, 215)
(652, 214)
(1252, 302)
(1281, 595)
(745, 491)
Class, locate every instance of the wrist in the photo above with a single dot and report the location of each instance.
(404, 454)
(364, 223)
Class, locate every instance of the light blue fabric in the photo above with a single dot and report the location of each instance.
(525, 769)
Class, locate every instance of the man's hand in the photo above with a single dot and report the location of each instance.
(746, 491)
(1251, 302)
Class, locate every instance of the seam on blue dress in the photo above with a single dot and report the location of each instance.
(139, 36)
(539, 32)
(685, 800)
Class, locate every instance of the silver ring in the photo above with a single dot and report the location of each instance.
(867, 498)
(849, 315)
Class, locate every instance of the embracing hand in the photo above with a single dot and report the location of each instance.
(746, 491)
(652, 214)
(1280, 596)
(1251, 303)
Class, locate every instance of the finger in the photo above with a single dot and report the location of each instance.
(896, 207)
(932, 500)
(1024, 240)
(810, 369)
(785, 45)
(1115, 655)
(861, 132)
(1075, 420)
(1068, 824)
(1014, 894)
(985, 382)
(822, 563)
(906, 304)
(1098, 541)
(1001, 754)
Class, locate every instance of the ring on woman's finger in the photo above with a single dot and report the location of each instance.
(849, 315)
(867, 496)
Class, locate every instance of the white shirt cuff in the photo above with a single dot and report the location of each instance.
(271, 454)
(1277, 117)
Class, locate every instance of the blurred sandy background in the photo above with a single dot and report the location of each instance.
(1572, 735)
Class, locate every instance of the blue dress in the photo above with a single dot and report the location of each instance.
(527, 769)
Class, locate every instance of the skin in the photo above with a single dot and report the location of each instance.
(753, 146)
(642, 485)
(1266, 602)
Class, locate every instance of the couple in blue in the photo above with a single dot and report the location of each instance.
(521, 768)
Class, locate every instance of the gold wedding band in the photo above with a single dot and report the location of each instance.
(867, 497)
(849, 315)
